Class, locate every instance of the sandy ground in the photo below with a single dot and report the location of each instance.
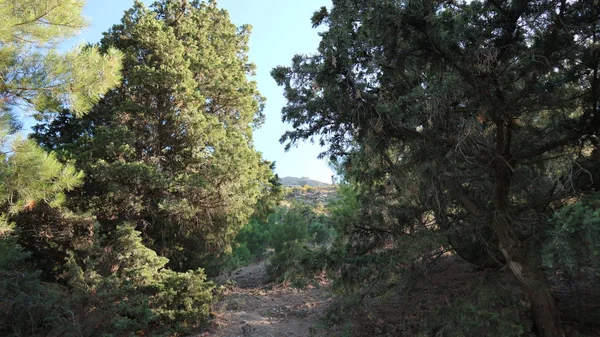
(253, 307)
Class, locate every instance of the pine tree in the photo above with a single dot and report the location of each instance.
(33, 74)
(171, 149)
(36, 78)
(476, 120)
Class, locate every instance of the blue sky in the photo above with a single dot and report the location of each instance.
(281, 29)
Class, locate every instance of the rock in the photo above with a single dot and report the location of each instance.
(233, 304)
(300, 313)
(247, 329)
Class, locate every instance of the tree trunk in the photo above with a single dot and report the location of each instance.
(543, 309)
(545, 315)
(533, 282)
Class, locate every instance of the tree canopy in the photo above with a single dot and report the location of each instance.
(36, 77)
(171, 149)
(146, 165)
(34, 73)
(474, 119)
(463, 128)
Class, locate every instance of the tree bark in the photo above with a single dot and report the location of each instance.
(534, 284)
(532, 281)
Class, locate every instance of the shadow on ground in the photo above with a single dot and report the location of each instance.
(253, 307)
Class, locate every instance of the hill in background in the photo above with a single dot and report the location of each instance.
(304, 181)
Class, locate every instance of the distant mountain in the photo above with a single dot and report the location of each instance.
(293, 181)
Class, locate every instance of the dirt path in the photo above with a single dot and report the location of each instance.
(255, 308)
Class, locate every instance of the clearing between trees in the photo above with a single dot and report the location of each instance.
(253, 306)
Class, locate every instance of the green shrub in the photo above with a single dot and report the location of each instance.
(486, 311)
(28, 306)
(320, 233)
(182, 300)
(123, 288)
(240, 256)
(249, 245)
(299, 238)
(254, 237)
(574, 240)
(289, 231)
(120, 289)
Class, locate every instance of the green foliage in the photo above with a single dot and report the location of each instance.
(118, 287)
(297, 263)
(171, 149)
(484, 312)
(255, 236)
(34, 75)
(170, 168)
(30, 174)
(443, 118)
(28, 306)
(240, 256)
(402, 95)
(249, 245)
(365, 257)
(123, 288)
(298, 237)
(454, 126)
(268, 202)
(345, 210)
(574, 240)
(33, 72)
(41, 21)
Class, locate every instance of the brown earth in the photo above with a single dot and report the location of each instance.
(255, 308)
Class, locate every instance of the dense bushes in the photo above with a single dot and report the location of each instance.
(295, 234)
(146, 167)
(132, 291)
(484, 312)
(575, 236)
(299, 235)
(369, 269)
(250, 245)
(117, 288)
(28, 306)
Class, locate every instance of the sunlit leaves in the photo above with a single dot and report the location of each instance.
(34, 74)
(171, 149)
(31, 175)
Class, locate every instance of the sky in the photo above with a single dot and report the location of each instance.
(280, 29)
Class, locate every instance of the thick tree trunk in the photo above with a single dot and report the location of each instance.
(545, 315)
(534, 284)
(543, 308)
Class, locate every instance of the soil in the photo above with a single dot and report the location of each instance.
(253, 307)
